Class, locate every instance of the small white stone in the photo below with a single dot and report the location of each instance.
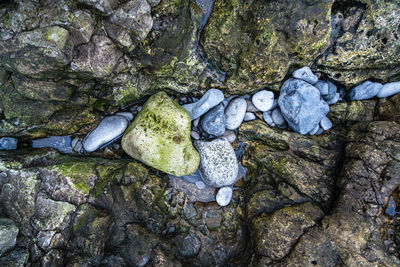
(249, 116)
(389, 89)
(235, 112)
(326, 124)
(263, 100)
(224, 196)
(200, 185)
(305, 74)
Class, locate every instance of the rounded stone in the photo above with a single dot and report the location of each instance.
(190, 246)
(127, 115)
(278, 119)
(325, 124)
(209, 100)
(218, 163)
(224, 196)
(366, 90)
(230, 136)
(305, 74)
(249, 116)
(8, 143)
(213, 122)
(389, 89)
(110, 128)
(235, 112)
(263, 100)
(268, 118)
(323, 87)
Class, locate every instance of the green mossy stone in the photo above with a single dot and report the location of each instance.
(160, 137)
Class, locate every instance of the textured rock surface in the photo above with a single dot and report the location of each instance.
(160, 137)
(8, 235)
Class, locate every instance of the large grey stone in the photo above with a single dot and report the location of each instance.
(301, 105)
(218, 163)
(8, 235)
(209, 100)
(213, 122)
(109, 129)
(235, 113)
(389, 89)
(366, 90)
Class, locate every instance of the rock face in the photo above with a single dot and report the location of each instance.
(301, 105)
(8, 233)
(159, 136)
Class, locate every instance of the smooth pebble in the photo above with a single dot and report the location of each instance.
(268, 118)
(249, 116)
(8, 143)
(366, 90)
(314, 131)
(389, 89)
(263, 100)
(127, 115)
(326, 124)
(305, 74)
(209, 100)
(60, 143)
(200, 185)
(229, 135)
(224, 196)
(334, 100)
(213, 122)
(323, 87)
(195, 135)
(278, 119)
(235, 112)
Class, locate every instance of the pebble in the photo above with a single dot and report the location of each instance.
(127, 115)
(109, 129)
(249, 116)
(389, 89)
(8, 143)
(268, 118)
(196, 122)
(200, 185)
(323, 87)
(224, 196)
(305, 74)
(218, 163)
(275, 104)
(195, 135)
(250, 106)
(320, 131)
(209, 100)
(301, 105)
(332, 90)
(334, 100)
(326, 124)
(278, 119)
(60, 143)
(366, 90)
(263, 100)
(228, 99)
(235, 112)
(314, 131)
(229, 135)
(213, 122)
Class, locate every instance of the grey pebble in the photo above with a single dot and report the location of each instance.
(109, 129)
(224, 196)
(60, 143)
(326, 124)
(305, 74)
(323, 87)
(389, 89)
(320, 131)
(235, 112)
(195, 135)
(213, 122)
(249, 116)
(228, 99)
(8, 143)
(200, 185)
(366, 90)
(332, 91)
(278, 119)
(334, 100)
(229, 135)
(263, 100)
(314, 131)
(196, 122)
(209, 100)
(127, 115)
(268, 118)
(250, 106)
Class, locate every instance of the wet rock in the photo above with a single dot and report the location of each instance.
(195, 191)
(389, 89)
(268, 118)
(263, 100)
(224, 196)
(8, 235)
(82, 27)
(249, 116)
(301, 105)
(190, 246)
(229, 135)
(218, 164)
(134, 16)
(235, 113)
(315, 130)
(104, 6)
(209, 100)
(326, 124)
(366, 90)
(160, 137)
(213, 122)
(17, 258)
(8, 143)
(109, 129)
(323, 87)
(305, 74)
(332, 91)
(96, 59)
(60, 143)
(278, 119)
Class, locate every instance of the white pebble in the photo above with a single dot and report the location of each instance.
(389, 89)
(224, 196)
(249, 116)
(263, 100)
(195, 135)
(200, 185)
(326, 123)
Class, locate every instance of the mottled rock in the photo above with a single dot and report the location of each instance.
(160, 137)
(8, 235)
(218, 164)
(209, 100)
(109, 129)
(305, 74)
(366, 90)
(190, 246)
(213, 122)
(224, 196)
(16, 258)
(60, 143)
(8, 143)
(278, 119)
(301, 105)
(263, 100)
(104, 6)
(389, 89)
(235, 113)
(82, 27)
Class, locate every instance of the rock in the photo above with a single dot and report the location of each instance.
(323, 87)
(249, 116)
(195, 135)
(209, 100)
(301, 105)
(200, 185)
(109, 129)
(104, 6)
(268, 118)
(332, 90)
(160, 137)
(8, 235)
(366, 90)
(196, 122)
(129, 116)
(235, 113)
(77, 146)
(134, 16)
(224, 196)
(263, 100)
(8, 143)
(82, 27)
(218, 164)
(230, 136)
(305, 74)
(326, 124)
(251, 107)
(389, 89)
(278, 119)
(334, 99)
(16, 258)
(315, 130)
(320, 131)
(60, 143)
(228, 100)
(213, 122)
(190, 246)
